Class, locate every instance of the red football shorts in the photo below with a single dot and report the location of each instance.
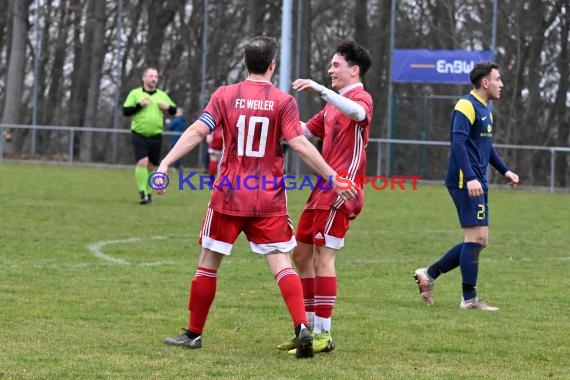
(265, 234)
(323, 227)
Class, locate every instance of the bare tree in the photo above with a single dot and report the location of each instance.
(3, 45)
(52, 106)
(159, 16)
(307, 106)
(15, 73)
(96, 25)
(561, 113)
(81, 63)
(255, 14)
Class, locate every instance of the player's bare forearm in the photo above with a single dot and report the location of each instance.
(191, 137)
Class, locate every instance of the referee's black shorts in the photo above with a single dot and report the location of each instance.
(147, 147)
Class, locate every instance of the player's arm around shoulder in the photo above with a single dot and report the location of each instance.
(348, 107)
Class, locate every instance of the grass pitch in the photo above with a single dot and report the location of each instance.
(91, 282)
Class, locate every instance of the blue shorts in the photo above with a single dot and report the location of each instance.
(471, 211)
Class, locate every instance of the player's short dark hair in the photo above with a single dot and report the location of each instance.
(259, 52)
(354, 54)
(481, 70)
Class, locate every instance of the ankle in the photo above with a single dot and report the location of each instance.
(299, 327)
(192, 334)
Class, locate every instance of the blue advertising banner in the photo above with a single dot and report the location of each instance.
(436, 66)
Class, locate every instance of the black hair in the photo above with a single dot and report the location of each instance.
(354, 54)
(259, 52)
(480, 70)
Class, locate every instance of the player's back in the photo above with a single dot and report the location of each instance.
(254, 116)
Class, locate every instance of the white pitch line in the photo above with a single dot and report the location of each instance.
(97, 249)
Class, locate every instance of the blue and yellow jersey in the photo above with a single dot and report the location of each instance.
(472, 117)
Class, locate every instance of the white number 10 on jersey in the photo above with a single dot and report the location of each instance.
(254, 121)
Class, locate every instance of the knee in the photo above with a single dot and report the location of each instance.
(482, 240)
(324, 261)
(301, 259)
(477, 235)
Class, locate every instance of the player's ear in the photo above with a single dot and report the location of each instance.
(355, 71)
(272, 65)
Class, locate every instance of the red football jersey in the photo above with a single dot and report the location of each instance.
(217, 140)
(344, 149)
(254, 117)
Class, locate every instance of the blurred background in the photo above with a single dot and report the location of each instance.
(66, 67)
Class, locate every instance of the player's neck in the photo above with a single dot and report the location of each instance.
(349, 87)
(260, 77)
(482, 94)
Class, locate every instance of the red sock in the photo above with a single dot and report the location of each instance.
(202, 293)
(325, 296)
(309, 293)
(292, 293)
(213, 167)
